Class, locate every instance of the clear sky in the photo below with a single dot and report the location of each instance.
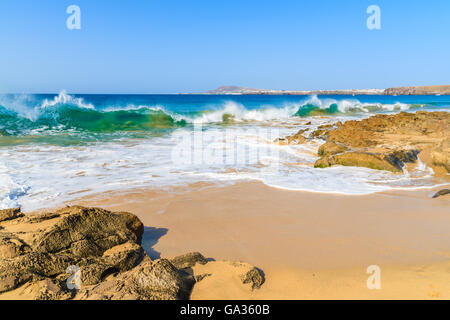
(171, 46)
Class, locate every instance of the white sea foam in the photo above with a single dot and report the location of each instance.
(64, 98)
(10, 190)
(45, 175)
(29, 107)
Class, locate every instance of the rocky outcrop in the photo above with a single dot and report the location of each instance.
(254, 277)
(297, 138)
(9, 214)
(331, 148)
(388, 142)
(43, 256)
(188, 260)
(441, 193)
(150, 280)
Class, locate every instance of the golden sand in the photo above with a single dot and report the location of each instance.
(309, 245)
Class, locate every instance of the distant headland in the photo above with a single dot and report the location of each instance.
(421, 90)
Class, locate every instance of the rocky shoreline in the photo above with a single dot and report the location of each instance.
(93, 254)
(384, 142)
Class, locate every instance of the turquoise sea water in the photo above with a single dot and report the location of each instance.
(55, 148)
(94, 117)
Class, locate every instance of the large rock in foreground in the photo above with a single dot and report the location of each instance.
(86, 253)
(388, 142)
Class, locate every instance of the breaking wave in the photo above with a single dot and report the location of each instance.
(23, 114)
(66, 112)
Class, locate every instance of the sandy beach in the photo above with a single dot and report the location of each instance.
(309, 245)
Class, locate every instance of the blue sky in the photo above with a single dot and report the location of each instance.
(171, 46)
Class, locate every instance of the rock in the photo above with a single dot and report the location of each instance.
(330, 148)
(85, 232)
(442, 192)
(218, 279)
(52, 289)
(400, 157)
(11, 246)
(321, 131)
(151, 280)
(133, 224)
(161, 280)
(227, 118)
(200, 277)
(253, 277)
(10, 214)
(188, 260)
(101, 243)
(297, 138)
(440, 155)
(36, 252)
(123, 257)
(282, 141)
(357, 159)
(387, 142)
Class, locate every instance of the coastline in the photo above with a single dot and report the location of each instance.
(395, 91)
(309, 245)
(299, 244)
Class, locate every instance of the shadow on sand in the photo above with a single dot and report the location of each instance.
(150, 239)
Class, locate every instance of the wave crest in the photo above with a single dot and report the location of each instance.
(67, 112)
(21, 113)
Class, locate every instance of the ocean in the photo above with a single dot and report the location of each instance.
(60, 147)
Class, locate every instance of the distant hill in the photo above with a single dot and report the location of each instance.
(235, 90)
(245, 90)
(423, 90)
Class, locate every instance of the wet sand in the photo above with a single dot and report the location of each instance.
(309, 245)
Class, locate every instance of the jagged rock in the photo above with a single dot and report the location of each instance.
(442, 192)
(200, 277)
(85, 232)
(189, 260)
(357, 159)
(322, 131)
(440, 156)
(387, 142)
(37, 250)
(297, 138)
(161, 280)
(151, 280)
(330, 148)
(9, 214)
(254, 277)
(52, 289)
(11, 246)
(400, 157)
(101, 243)
(133, 224)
